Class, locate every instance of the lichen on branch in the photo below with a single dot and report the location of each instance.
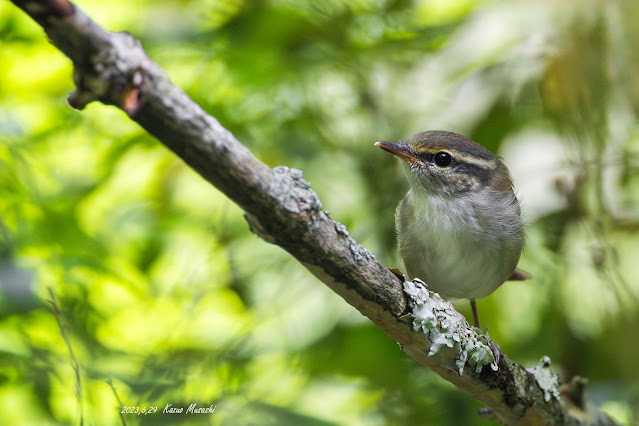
(445, 327)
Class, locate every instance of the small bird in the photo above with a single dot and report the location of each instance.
(459, 226)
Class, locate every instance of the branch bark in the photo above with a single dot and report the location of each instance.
(282, 209)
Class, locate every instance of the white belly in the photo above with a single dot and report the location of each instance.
(454, 250)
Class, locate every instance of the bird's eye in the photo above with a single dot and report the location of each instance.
(443, 159)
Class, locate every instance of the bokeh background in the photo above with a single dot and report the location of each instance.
(163, 291)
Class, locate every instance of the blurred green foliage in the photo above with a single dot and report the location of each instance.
(163, 290)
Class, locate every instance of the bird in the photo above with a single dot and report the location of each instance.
(459, 226)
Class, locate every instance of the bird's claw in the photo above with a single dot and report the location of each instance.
(398, 274)
(494, 348)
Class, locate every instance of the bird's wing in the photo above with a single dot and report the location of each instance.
(519, 275)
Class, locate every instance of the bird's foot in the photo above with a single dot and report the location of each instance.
(494, 348)
(398, 274)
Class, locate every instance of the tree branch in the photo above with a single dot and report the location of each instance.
(282, 209)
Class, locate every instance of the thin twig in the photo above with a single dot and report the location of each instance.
(120, 405)
(74, 361)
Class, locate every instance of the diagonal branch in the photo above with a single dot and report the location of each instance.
(282, 209)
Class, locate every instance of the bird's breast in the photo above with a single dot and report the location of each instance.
(451, 244)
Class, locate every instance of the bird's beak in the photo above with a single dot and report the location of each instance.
(398, 150)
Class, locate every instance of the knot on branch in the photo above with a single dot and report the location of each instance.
(574, 392)
(295, 193)
(294, 197)
(113, 74)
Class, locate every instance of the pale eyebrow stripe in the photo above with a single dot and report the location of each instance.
(468, 159)
(484, 164)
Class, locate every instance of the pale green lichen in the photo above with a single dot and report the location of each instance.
(445, 327)
(545, 378)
